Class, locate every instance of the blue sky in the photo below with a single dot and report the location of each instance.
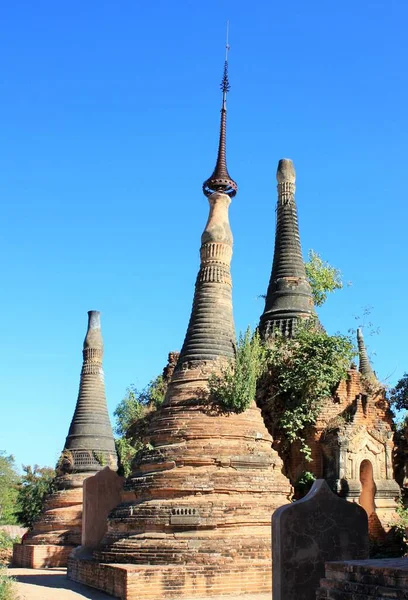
(109, 123)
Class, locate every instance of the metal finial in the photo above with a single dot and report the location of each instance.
(225, 85)
(220, 180)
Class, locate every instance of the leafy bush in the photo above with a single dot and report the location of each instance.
(6, 547)
(235, 388)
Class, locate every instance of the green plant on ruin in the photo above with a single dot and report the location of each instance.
(235, 387)
(291, 377)
(323, 278)
(100, 458)
(137, 403)
(126, 452)
(132, 416)
(302, 372)
(303, 484)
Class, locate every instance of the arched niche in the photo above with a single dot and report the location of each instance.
(368, 487)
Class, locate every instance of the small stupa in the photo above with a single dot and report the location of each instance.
(196, 510)
(89, 447)
(289, 297)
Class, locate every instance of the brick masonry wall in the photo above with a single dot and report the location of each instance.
(40, 556)
(375, 415)
(365, 580)
(161, 582)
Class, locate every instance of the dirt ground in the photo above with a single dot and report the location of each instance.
(52, 584)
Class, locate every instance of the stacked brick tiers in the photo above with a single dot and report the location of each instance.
(199, 502)
(365, 580)
(195, 513)
(88, 448)
(57, 531)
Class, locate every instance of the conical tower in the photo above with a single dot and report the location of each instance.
(364, 362)
(89, 447)
(289, 295)
(211, 332)
(195, 513)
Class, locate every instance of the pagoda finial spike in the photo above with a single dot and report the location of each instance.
(365, 365)
(225, 85)
(220, 180)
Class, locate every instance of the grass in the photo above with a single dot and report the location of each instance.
(7, 589)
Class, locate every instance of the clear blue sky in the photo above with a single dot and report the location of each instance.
(109, 123)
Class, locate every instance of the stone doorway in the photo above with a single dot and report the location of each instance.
(368, 487)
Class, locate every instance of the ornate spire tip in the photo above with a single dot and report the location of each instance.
(220, 180)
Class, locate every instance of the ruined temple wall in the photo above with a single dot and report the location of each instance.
(347, 403)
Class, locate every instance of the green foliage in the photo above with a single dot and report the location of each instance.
(131, 418)
(303, 484)
(323, 278)
(6, 541)
(303, 371)
(156, 391)
(6, 547)
(36, 483)
(9, 480)
(398, 396)
(136, 404)
(7, 589)
(401, 527)
(235, 388)
(126, 452)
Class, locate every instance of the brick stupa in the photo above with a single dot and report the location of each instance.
(89, 447)
(352, 441)
(196, 510)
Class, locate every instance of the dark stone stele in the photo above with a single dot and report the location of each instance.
(310, 532)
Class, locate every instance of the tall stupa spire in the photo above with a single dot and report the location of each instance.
(220, 180)
(289, 295)
(90, 442)
(211, 332)
(88, 448)
(364, 362)
(201, 492)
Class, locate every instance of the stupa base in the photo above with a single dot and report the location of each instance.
(38, 556)
(161, 582)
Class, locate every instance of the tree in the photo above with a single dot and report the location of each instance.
(136, 404)
(36, 483)
(131, 416)
(323, 278)
(399, 394)
(9, 480)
